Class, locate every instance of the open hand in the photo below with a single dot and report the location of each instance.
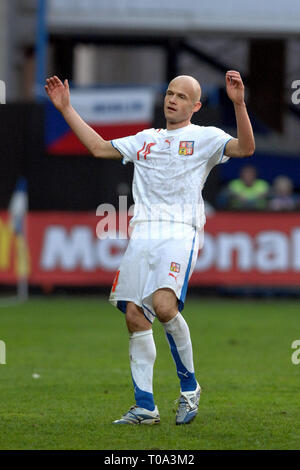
(58, 92)
(235, 87)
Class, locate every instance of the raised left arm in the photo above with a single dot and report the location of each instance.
(244, 144)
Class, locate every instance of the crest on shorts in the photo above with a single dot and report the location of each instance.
(186, 147)
(175, 267)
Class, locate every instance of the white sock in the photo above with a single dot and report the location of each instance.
(142, 353)
(178, 335)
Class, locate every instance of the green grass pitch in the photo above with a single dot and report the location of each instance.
(79, 348)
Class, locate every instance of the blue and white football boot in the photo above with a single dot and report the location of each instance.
(188, 406)
(138, 415)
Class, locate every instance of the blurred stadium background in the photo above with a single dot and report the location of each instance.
(119, 56)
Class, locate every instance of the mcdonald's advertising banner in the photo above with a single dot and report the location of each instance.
(62, 248)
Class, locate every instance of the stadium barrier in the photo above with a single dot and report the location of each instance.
(259, 249)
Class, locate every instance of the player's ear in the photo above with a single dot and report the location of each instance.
(197, 106)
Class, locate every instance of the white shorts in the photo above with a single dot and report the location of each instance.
(157, 256)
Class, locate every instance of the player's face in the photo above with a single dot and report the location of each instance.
(179, 104)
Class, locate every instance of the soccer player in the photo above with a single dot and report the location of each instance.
(170, 169)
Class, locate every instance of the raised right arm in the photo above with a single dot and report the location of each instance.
(59, 94)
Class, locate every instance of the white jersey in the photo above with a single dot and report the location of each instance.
(170, 169)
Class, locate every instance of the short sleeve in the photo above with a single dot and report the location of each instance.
(129, 146)
(219, 139)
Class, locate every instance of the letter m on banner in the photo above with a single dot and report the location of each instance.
(2, 352)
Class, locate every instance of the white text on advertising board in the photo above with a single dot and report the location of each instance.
(268, 251)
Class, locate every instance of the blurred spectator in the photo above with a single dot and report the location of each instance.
(246, 192)
(282, 197)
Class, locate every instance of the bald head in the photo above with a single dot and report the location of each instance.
(190, 85)
(181, 101)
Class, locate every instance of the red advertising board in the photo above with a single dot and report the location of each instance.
(260, 249)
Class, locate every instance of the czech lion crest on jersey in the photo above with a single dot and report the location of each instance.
(186, 147)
